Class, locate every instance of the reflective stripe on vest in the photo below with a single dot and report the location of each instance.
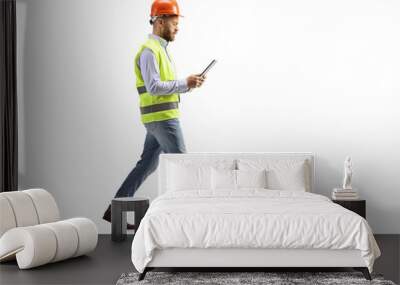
(141, 89)
(158, 107)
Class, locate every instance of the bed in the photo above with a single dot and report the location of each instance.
(246, 210)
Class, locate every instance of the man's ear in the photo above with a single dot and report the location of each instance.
(160, 20)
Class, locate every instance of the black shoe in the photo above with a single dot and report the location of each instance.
(107, 217)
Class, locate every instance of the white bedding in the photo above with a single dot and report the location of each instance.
(250, 218)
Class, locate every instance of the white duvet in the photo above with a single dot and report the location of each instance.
(251, 218)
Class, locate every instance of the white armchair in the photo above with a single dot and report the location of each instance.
(31, 230)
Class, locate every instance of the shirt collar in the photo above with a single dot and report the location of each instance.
(162, 41)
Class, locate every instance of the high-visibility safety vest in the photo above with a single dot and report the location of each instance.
(155, 108)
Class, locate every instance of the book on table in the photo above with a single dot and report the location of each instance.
(344, 194)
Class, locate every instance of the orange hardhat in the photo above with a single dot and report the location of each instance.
(164, 7)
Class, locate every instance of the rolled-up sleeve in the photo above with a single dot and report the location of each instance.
(151, 76)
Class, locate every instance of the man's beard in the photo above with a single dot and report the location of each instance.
(168, 37)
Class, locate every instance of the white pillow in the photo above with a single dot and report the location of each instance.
(227, 179)
(182, 177)
(223, 179)
(287, 179)
(282, 174)
(251, 178)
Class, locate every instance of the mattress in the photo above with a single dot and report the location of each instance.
(250, 219)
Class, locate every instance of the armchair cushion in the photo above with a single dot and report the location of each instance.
(32, 233)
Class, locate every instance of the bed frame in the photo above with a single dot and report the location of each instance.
(262, 259)
(247, 258)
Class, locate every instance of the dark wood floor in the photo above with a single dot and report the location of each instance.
(110, 260)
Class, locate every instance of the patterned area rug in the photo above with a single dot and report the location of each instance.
(244, 278)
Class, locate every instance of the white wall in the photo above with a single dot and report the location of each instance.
(320, 76)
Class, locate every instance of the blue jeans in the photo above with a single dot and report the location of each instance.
(164, 136)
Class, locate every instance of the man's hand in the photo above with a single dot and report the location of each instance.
(195, 81)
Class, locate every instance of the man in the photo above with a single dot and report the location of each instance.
(159, 92)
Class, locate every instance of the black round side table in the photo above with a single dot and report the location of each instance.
(119, 207)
